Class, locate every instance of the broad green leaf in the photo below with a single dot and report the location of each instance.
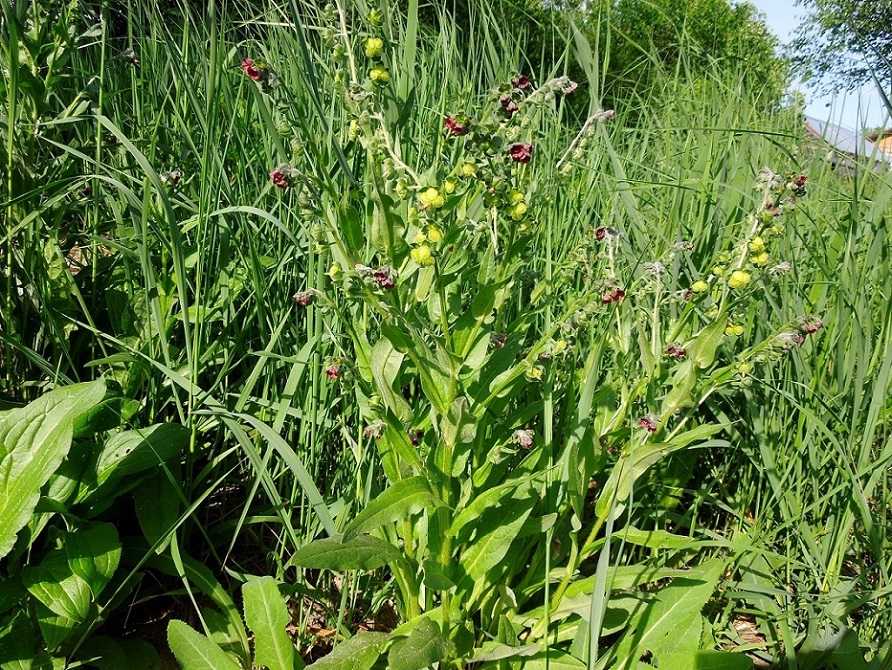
(401, 500)
(672, 623)
(683, 382)
(464, 522)
(551, 660)
(54, 584)
(358, 653)
(202, 577)
(53, 627)
(351, 226)
(93, 553)
(128, 453)
(497, 532)
(266, 616)
(33, 441)
(424, 647)
(386, 362)
(361, 553)
(497, 651)
(196, 652)
(458, 425)
(707, 342)
(705, 660)
(631, 466)
(108, 653)
(17, 643)
(157, 503)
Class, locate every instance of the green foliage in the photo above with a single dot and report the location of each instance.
(526, 397)
(844, 43)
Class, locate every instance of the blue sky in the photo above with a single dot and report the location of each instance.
(858, 109)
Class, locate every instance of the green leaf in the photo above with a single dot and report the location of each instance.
(631, 466)
(361, 553)
(707, 342)
(497, 651)
(128, 453)
(672, 623)
(552, 660)
(705, 660)
(401, 500)
(93, 554)
(458, 425)
(358, 653)
(54, 628)
(424, 647)
(267, 617)
(351, 226)
(157, 503)
(196, 652)
(108, 653)
(496, 533)
(54, 584)
(33, 442)
(17, 643)
(386, 362)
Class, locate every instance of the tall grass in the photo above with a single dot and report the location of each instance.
(185, 295)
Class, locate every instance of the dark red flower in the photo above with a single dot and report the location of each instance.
(508, 104)
(601, 233)
(383, 278)
(304, 298)
(801, 180)
(522, 152)
(456, 128)
(649, 422)
(415, 437)
(521, 81)
(617, 295)
(280, 179)
(332, 372)
(497, 340)
(676, 351)
(253, 71)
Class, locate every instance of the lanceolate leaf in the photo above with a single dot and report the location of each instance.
(402, 499)
(424, 647)
(672, 623)
(267, 617)
(33, 442)
(361, 553)
(196, 652)
(357, 653)
(705, 660)
(631, 466)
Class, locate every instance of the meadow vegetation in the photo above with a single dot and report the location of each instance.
(361, 337)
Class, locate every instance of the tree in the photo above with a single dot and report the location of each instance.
(844, 43)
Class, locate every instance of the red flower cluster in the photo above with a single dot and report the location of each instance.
(521, 152)
(616, 295)
(649, 422)
(252, 70)
(508, 104)
(676, 351)
(304, 298)
(383, 278)
(456, 128)
(521, 81)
